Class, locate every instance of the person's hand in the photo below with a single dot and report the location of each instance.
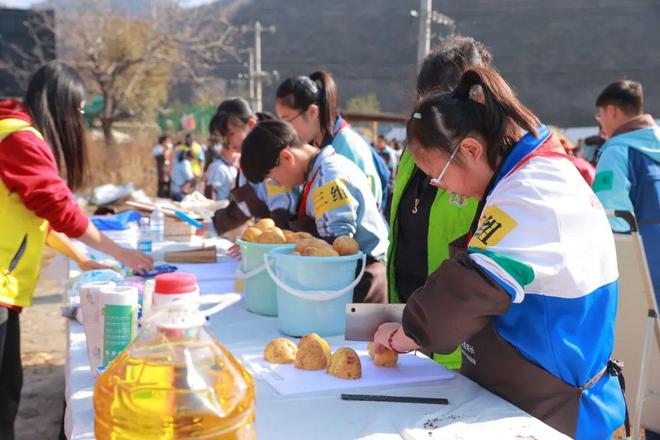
(138, 262)
(400, 342)
(235, 252)
(89, 264)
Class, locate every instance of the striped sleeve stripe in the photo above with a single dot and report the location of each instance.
(500, 276)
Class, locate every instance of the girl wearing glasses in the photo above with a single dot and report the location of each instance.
(530, 292)
(425, 219)
(232, 122)
(310, 104)
(336, 199)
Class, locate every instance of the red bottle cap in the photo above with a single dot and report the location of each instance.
(175, 283)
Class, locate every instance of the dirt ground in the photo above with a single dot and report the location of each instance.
(43, 347)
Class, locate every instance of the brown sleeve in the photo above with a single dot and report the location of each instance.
(456, 302)
(246, 194)
(229, 218)
(281, 217)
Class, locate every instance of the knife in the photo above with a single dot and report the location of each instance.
(362, 320)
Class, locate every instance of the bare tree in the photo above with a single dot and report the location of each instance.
(131, 61)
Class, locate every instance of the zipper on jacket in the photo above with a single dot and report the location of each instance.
(19, 254)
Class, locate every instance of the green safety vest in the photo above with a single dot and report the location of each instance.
(448, 221)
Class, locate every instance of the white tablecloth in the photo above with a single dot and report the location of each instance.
(472, 411)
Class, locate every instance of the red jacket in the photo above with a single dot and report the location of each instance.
(28, 168)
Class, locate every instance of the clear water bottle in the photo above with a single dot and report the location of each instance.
(157, 225)
(144, 240)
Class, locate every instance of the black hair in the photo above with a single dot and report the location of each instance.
(235, 111)
(53, 99)
(319, 88)
(261, 148)
(482, 103)
(162, 138)
(624, 94)
(186, 154)
(443, 66)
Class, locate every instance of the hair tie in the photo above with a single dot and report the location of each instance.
(417, 115)
(476, 94)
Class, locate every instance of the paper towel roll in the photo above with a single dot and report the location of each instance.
(90, 304)
(119, 315)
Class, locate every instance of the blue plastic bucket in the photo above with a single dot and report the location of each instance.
(312, 292)
(259, 289)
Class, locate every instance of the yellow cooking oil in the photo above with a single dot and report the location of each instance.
(175, 386)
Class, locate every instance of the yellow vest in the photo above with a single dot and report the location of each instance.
(197, 151)
(22, 236)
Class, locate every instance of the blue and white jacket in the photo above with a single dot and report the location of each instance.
(628, 179)
(351, 145)
(340, 201)
(544, 239)
(274, 196)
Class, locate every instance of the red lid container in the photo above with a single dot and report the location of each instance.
(175, 283)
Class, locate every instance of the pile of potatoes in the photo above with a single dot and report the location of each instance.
(313, 353)
(265, 231)
(314, 247)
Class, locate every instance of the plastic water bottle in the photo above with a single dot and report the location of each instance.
(157, 225)
(144, 240)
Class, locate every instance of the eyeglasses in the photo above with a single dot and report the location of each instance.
(295, 117)
(438, 180)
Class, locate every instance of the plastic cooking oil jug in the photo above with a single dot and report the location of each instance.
(175, 380)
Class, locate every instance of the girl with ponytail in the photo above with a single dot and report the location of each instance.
(311, 105)
(233, 120)
(530, 292)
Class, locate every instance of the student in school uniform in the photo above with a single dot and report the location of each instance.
(222, 173)
(310, 104)
(530, 292)
(336, 199)
(232, 122)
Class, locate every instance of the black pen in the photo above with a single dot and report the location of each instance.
(397, 399)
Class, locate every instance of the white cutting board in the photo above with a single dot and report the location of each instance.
(288, 380)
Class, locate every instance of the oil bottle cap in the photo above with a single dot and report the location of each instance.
(175, 283)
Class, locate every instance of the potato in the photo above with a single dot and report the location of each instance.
(346, 245)
(280, 351)
(304, 244)
(302, 235)
(265, 224)
(322, 251)
(252, 234)
(345, 364)
(386, 358)
(291, 237)
(313, 353)
(274, 235)
(371, 348)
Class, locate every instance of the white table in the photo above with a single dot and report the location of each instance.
(472, 411)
